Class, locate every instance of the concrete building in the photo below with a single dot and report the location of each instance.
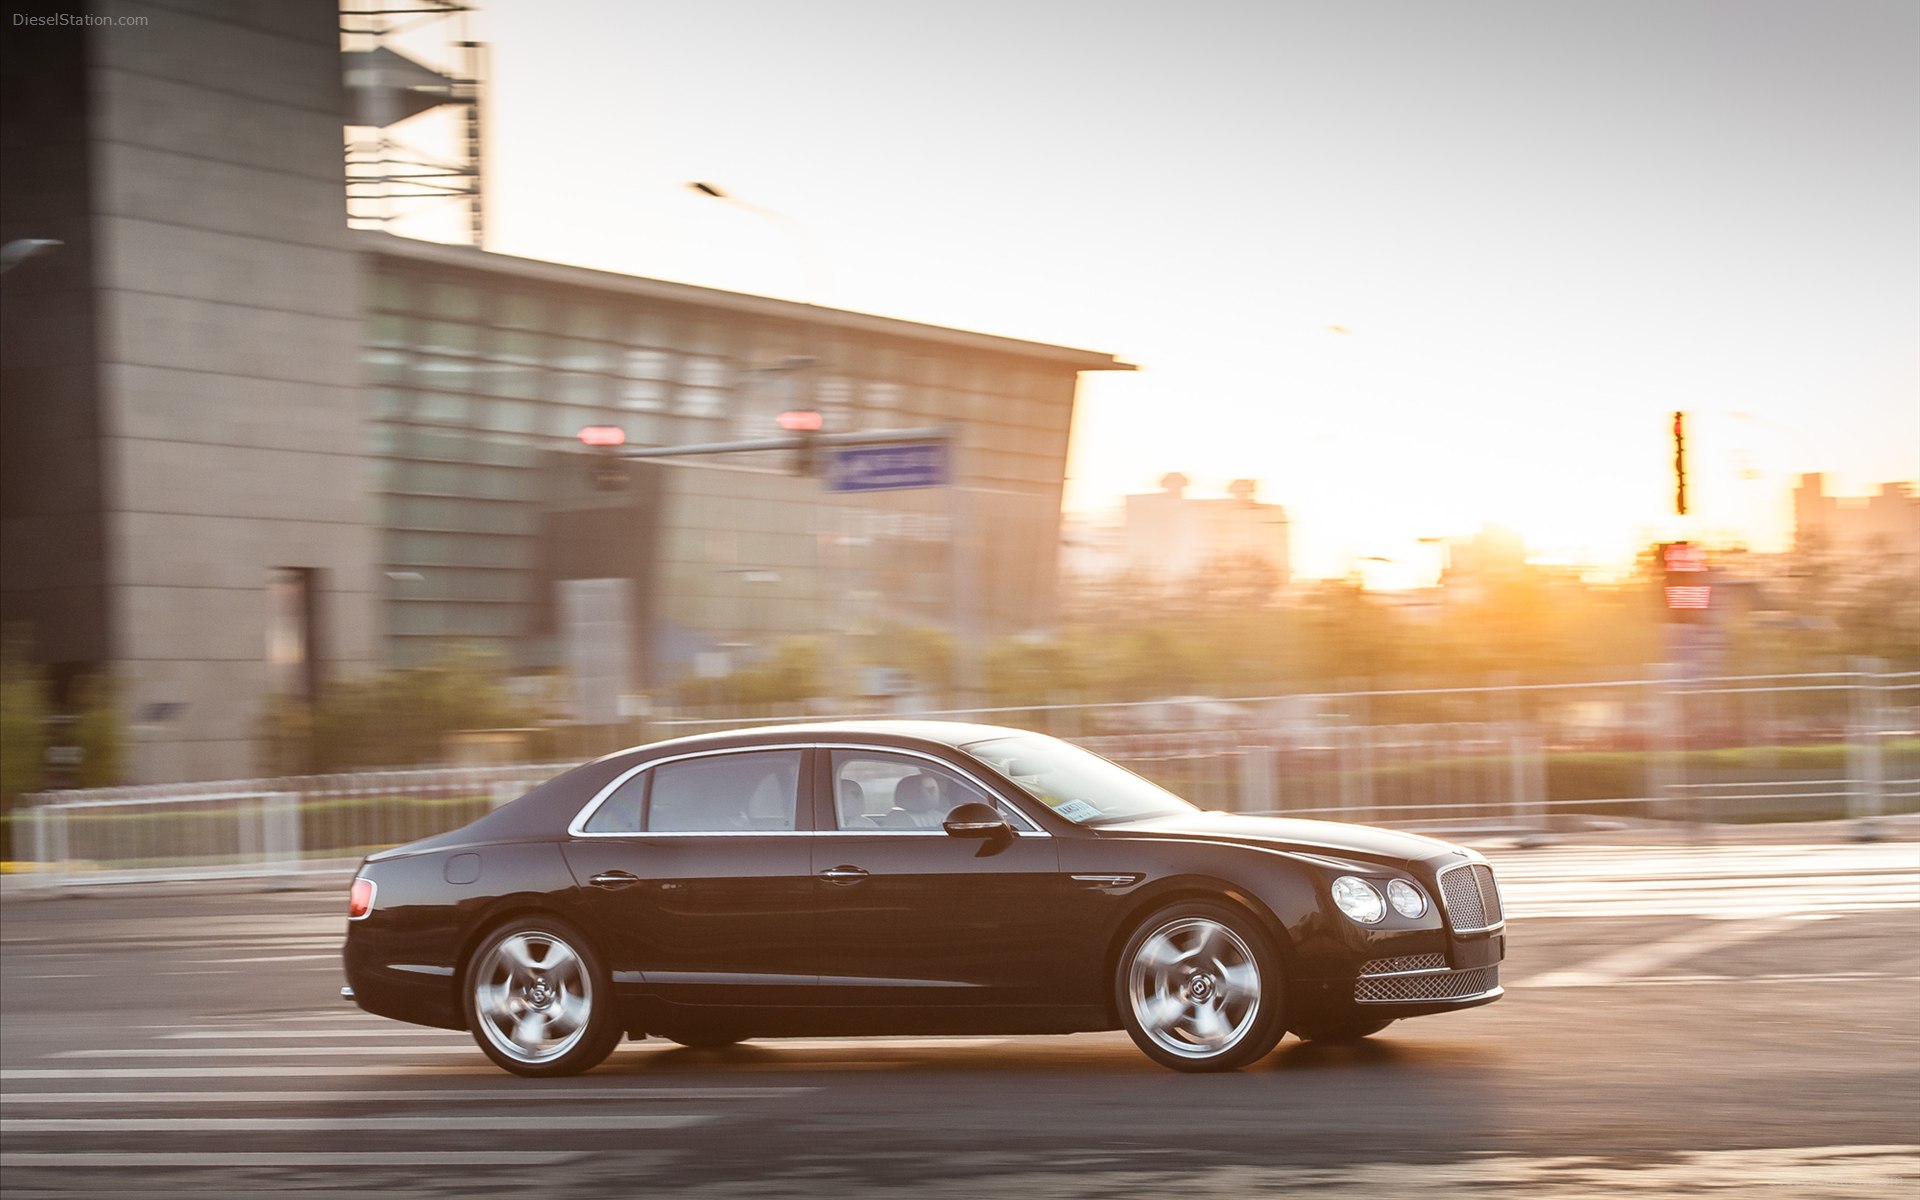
(246, 450)
(482, 369)
(187, 496)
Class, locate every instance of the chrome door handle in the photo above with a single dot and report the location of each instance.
(614, 879)
(843, 875)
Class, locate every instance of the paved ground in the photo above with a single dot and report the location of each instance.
(1738, 1020)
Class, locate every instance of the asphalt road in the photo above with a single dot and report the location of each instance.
(1741, 1021)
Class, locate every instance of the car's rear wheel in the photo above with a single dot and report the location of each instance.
(1351, 1031)
(539, 1001)
(1199, 988)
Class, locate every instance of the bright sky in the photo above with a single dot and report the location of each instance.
(1545, 225)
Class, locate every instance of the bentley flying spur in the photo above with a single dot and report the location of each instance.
(908, 877)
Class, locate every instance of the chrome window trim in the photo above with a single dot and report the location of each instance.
(1033, 827)
(1441, 887)
(576, 827)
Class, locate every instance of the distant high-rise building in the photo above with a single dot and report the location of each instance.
(1887, 523)
(1170, 535)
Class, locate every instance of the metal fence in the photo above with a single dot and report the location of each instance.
(258, 828)
(1520, 758)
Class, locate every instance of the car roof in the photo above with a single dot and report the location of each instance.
(899, 732)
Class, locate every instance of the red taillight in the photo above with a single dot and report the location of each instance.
(360, 899)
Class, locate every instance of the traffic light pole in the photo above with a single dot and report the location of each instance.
(794, 442)
(608, 442)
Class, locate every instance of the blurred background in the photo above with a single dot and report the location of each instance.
(1488, 418)
(1470, 387)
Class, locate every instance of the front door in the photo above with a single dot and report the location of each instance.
(910, 915)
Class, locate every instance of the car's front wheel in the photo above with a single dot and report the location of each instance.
(1198, 988)
(539, 1001)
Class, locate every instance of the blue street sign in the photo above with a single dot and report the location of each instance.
(887, 468)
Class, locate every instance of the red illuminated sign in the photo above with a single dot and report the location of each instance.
(1682, 559)
(604, 435)
(800, 422)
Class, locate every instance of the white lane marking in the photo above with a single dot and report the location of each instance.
(461, 1124)
(505, 1093)
(1752, 980)
(271, 1034)
(1640, 960)
(285, 1071)
(261, 1051)
(252, 1158)
(464, 1047)
(864, 1043)
(335, 957)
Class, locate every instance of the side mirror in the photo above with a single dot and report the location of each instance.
(976, 820)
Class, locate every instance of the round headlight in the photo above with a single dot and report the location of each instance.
(1358, 899)
(1407, 900)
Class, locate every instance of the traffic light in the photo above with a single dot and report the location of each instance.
(804, 425)
(1685, 580)
(605, 472)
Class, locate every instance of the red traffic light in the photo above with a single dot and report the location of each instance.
(1687, 585)
(604, 435)
(800, 422)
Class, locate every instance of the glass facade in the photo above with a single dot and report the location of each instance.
(476, 374)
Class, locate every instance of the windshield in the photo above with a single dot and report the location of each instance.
(1077, 784)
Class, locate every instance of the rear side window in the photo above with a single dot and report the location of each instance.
(723, 793)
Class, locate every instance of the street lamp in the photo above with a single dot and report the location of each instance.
(21, 249)
(807, 364)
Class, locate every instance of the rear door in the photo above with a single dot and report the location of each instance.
(697, 871)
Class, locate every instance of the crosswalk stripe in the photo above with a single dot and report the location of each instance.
(254, 1158)
(262, 1051)
(1641, 960)
(389, 1030)
(236, 1071)
(515, 1094)
(379, 1124)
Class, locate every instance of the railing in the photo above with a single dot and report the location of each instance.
(261, 828)
(1738, 749)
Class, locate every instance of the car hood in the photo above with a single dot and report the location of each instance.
(1331, 838)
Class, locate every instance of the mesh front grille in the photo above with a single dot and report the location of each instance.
(1489, 894)
(1472, 899)
(1446, 985)
(1462, 896)
(1406, 962)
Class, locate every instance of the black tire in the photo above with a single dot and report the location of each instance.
(539, 999)
(1199, 988)
(1335, 1035)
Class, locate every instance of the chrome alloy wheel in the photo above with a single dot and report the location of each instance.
(1195, 987)
(532, 996)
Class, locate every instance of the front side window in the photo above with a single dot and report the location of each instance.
(874, 790)
(752, 791)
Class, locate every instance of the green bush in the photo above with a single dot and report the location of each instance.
(23, 720)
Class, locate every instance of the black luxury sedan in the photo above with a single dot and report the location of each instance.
(908, 877)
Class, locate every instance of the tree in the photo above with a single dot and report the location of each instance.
(23, 719)
(100, 733)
